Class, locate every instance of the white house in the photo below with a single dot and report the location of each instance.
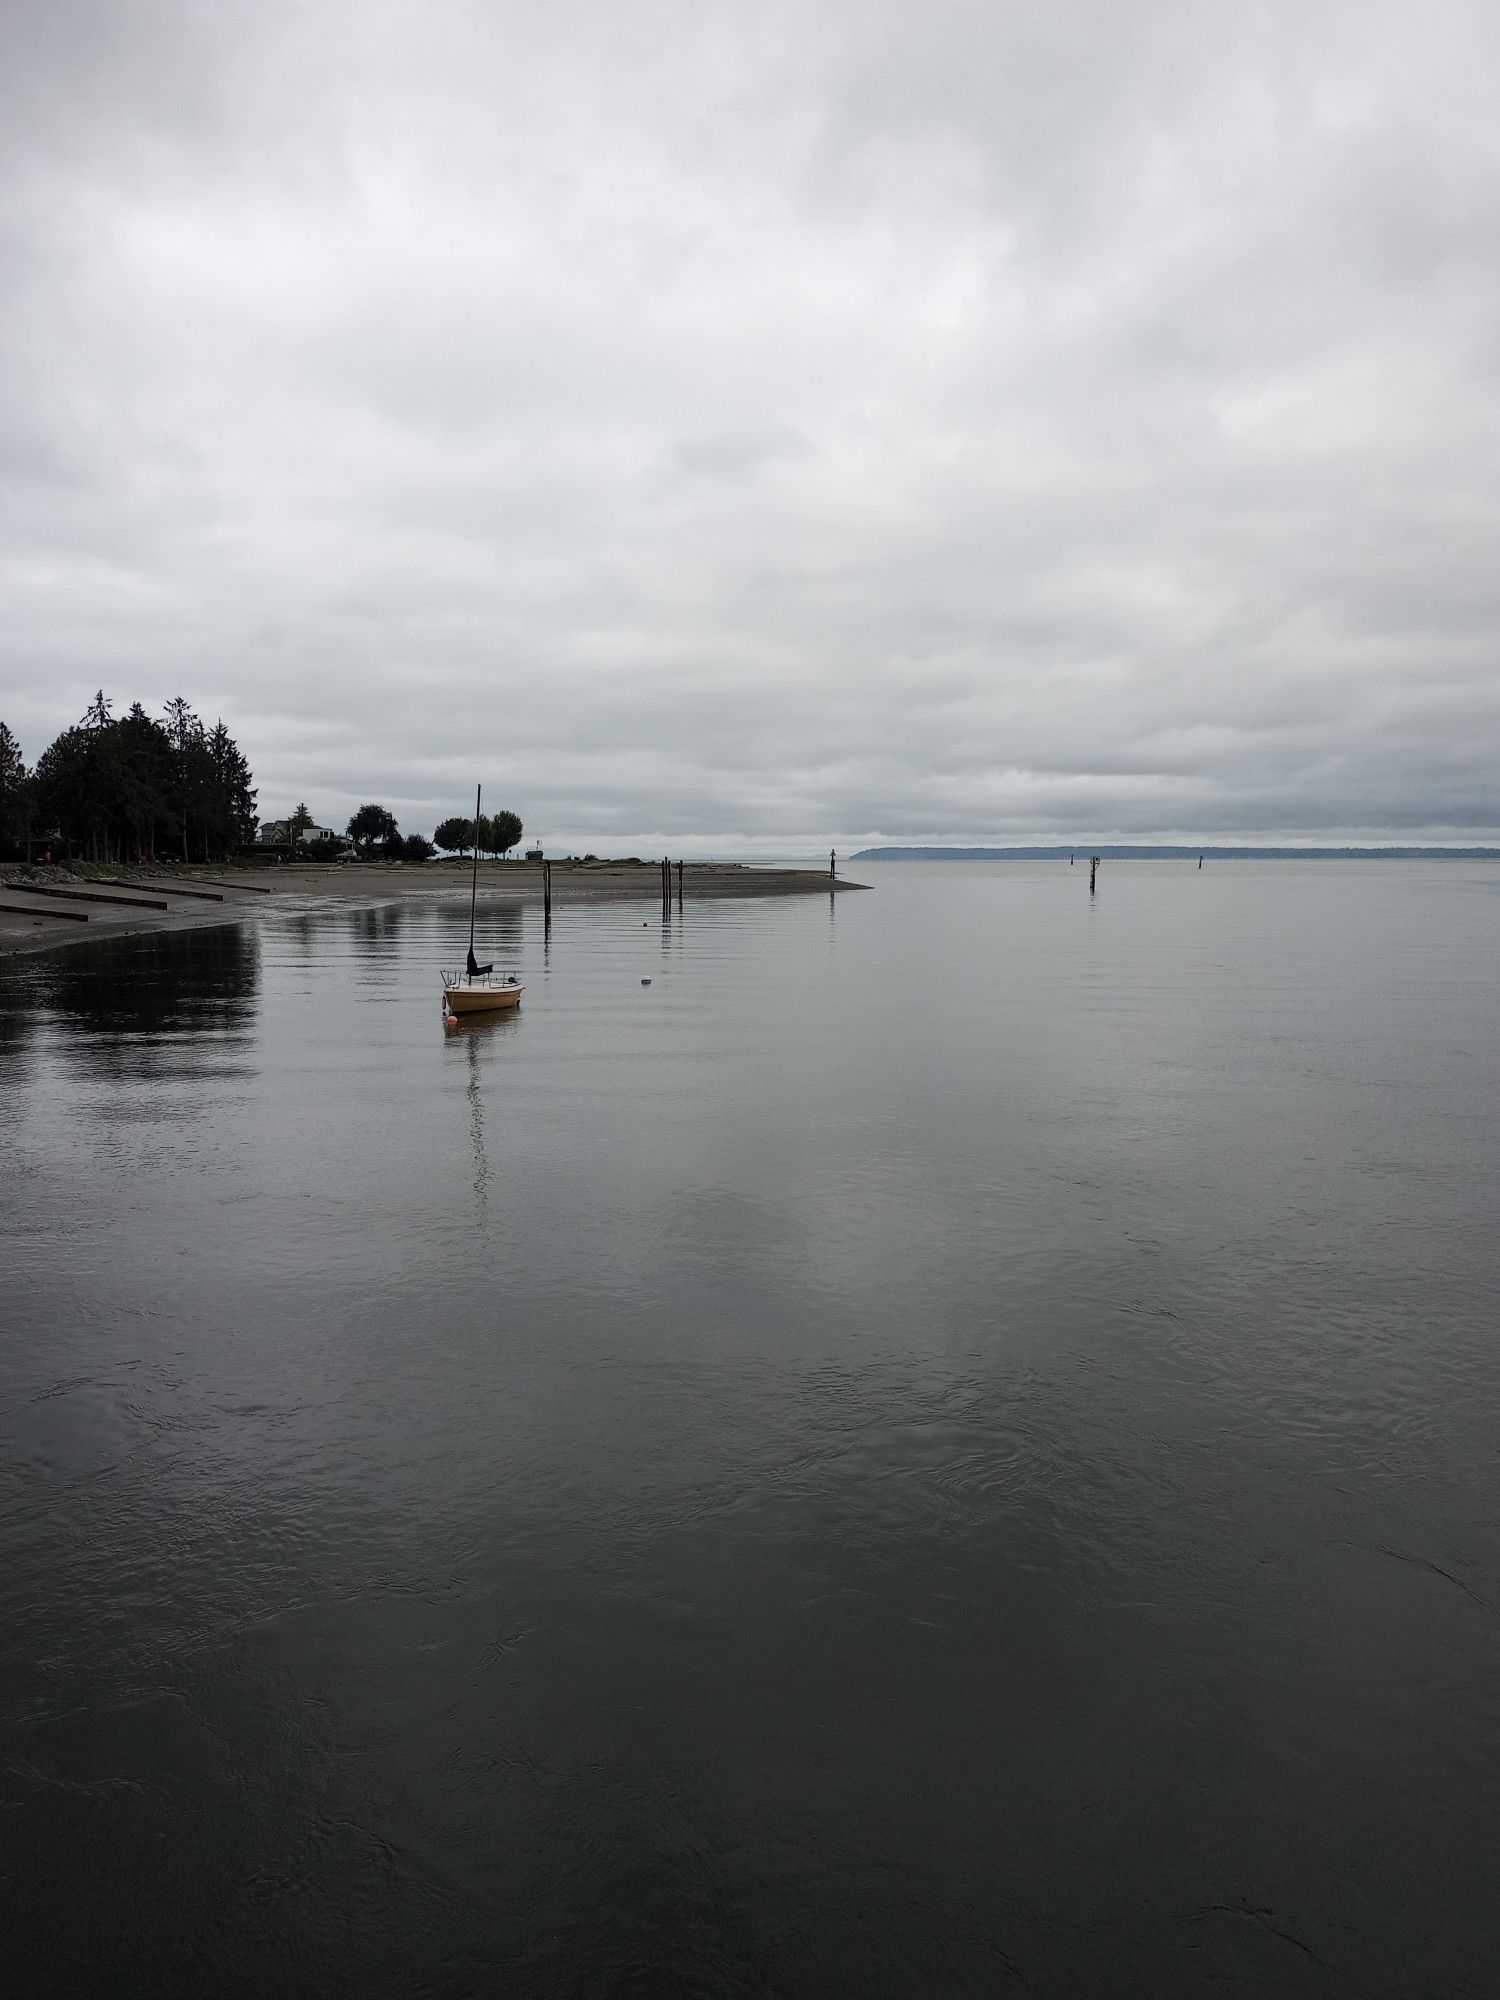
(276, 832)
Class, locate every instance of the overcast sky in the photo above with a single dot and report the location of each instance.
(747, 427)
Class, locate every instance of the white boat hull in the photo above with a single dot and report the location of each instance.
(481, 996)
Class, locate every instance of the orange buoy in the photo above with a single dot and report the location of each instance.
(453, 1020)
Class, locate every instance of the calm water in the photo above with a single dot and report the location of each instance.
(947, 1444)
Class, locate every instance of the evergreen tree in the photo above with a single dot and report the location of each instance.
(129, 789)
(232, 798)
(69, 796)
(15, 793)
(185, 733)
(140, 762)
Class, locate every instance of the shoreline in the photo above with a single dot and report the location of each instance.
(251, 892)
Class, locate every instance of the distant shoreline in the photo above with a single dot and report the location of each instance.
(255, 892)
(1146, 853)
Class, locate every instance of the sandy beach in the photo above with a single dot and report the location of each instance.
(77, 911)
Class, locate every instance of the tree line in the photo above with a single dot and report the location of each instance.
(136, 787)
(496, 833)
(129, 788)
(374, 831)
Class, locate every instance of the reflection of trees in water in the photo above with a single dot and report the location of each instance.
(18, 1020)
(378, 924)
(497, 934)
(300, 927)
(374, 933)
(161, 983)
(371, 928)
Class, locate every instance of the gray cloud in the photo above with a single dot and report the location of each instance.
(767, 426)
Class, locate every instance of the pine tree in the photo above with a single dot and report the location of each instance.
(127, 789)
(232, 803)
(142, 763)
(15, 792)
(185, 734)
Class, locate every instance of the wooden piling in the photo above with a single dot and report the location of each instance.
(679, 885)
(1093, 871)
(547, 890)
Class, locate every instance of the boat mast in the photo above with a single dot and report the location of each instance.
(474, 885)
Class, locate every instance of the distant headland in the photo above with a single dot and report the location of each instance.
(1178, 853)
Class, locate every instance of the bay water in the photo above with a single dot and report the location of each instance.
(947, 1444)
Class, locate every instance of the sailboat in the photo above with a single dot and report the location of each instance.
(478, 989)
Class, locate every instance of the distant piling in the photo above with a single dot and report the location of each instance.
(679, 885)
(1093, 871)
(547, 890)
(833, 865)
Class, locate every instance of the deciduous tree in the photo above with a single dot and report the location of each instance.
(370, 826)
(454, 835)
(504, 831)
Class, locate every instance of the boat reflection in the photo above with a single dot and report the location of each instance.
(476, 1127)
(474, 1033)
